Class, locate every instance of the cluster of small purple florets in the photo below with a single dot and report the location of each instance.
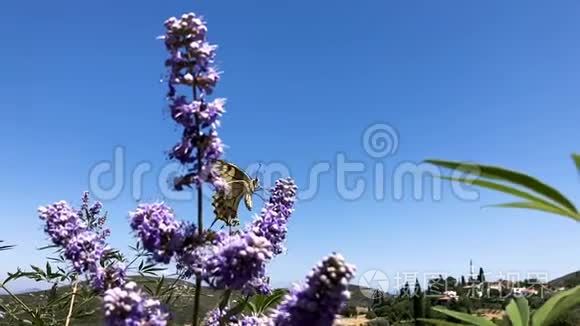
(255, 321)
(195, 250)
(215, 318)
(82, 246)
(85, 251)
(317, 301)
(190, 65)
(62, 222)
(127, 306)
(109, 277)
(191, 55)
(241, 258)
(273, 220)
(161, 234)
(92, 216)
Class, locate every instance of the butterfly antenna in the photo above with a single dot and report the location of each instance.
(258, 170)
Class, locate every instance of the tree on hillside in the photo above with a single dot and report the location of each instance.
(463, 283)
(405, 291)
(481, 275)
(451, 282)
(417, 290)
(378, 298)
(437, 285)
(418, 303)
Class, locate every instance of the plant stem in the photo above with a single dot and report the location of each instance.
(72, 303)
(200, 230)
(7, 310)
(199, 216)
(196, 300)
(28, 310)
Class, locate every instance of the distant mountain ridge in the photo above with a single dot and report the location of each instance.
(568, 281)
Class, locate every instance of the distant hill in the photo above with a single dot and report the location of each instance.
(182, 308)
(360, 296)
(567, 281)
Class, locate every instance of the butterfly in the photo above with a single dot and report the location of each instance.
(239, 184)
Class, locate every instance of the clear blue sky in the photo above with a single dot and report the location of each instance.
(489, 81)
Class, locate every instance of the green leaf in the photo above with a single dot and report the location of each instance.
(85, 314)
(225, 300)
(148, 289)
(6, 247)
(498, 173)
(237, 309)
(576, 158)
(556, 306)
(13, 276)
(437, 322)
(252, 308)
(538, 203)
(518, 311)
(538, 207)
(38, 270)
(47, 247)
(470, 319)
(150, 268)
(169, 298)
(273, 299)
(60, 299)
(160, 283)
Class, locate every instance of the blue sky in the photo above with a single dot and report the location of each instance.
(487, 81)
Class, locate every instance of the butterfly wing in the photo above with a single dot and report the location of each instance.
(226, 202)
(248, 200)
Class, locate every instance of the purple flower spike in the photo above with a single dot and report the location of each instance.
(214, 316)
(273, 220)
(196, 249)
(128, 306)
(237, 261)
(113, 276)
(158, 229)
(190, 68)
(95, 209)
(62, 222)
(85, 201)
(85, 251)
(84, 247)
(322, 296)
(255, 321)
